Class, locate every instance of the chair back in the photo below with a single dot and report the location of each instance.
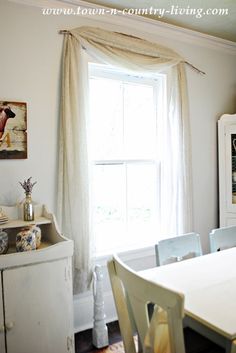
(132, 294)
(222, 238)
(179, 248)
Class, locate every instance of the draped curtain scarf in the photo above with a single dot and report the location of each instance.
(137, 55)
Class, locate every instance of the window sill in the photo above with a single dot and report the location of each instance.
(127, 255)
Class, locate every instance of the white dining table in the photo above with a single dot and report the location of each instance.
(208, 283)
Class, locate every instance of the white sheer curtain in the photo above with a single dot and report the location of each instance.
(73, 190)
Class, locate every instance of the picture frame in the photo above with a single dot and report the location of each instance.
(13, 130)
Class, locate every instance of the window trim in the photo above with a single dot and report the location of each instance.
(158, 82)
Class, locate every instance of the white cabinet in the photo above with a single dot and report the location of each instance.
(227, 169)
(36, 302)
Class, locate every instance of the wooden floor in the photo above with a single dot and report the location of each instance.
(83, 340)
(194, 342)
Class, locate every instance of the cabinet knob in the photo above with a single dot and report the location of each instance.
(9, 325)
(2, 328)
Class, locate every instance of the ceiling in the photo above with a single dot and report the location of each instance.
(222, 26)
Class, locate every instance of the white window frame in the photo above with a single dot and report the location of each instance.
(158, 82)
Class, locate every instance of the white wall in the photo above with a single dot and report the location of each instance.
(30, 72)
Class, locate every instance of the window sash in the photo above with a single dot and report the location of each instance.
(158, 84)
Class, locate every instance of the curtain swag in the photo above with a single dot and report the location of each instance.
(149, 49)
(74, 192)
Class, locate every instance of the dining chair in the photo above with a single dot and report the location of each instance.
(132, 293)
(179, 248)
(164, 331)
(222, 238)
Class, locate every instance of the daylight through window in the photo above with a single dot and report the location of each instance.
(125, 144)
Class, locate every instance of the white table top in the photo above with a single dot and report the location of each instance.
(209, 285)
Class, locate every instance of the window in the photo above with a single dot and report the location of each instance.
(125, 114)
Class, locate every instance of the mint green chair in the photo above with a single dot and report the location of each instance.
(222, 238)
(179, 248)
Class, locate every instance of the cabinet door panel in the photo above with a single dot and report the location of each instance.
(227, 168)
(38, 306)
(2, 335)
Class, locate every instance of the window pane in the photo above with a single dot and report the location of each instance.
(125, 197)
(142, 202)
(139, 121)
(109, 201)
(106, 109)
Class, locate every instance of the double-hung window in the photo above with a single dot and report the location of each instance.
(125, 143)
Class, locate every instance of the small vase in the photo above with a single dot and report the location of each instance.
(28, 208)
(3, 242)
(26, 239)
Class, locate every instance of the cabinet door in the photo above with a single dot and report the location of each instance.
(38, 308)
(2, 334)
(230, 167)
(227, 169)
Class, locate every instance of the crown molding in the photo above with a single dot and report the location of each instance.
(142, 23)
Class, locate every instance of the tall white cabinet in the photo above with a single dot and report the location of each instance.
(36, 303)
(227, 169)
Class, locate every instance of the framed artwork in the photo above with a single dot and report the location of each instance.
(13, 130)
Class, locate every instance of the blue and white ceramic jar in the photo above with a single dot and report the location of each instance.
(3, 242)
(37, 232)
(26, 239)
